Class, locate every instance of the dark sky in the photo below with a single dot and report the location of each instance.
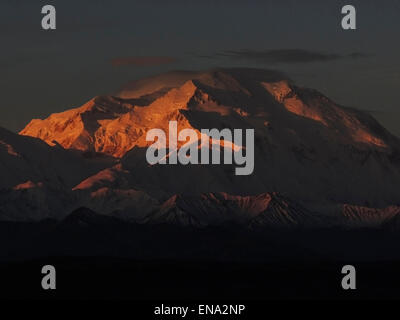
(101, 45)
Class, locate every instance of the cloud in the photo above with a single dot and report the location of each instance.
(287, 55)
(143, 61)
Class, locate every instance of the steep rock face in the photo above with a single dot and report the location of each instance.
(110, 125)
(76, 128)
(282, 212)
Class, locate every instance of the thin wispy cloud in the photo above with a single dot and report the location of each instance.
(286, 55)
(143, 61)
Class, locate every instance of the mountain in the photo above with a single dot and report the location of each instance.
(79, 128)
(265, 99)
(312, 155)
(265, 210)
(360, 216)
(26, 162)
(36, 179)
